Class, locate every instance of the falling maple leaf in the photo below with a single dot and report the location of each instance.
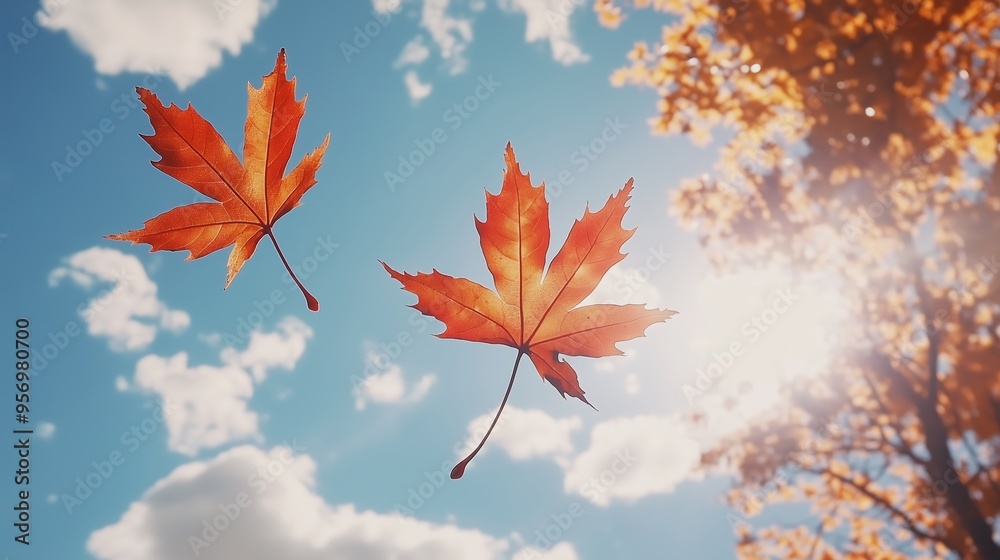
(536, 314)
(250, 197)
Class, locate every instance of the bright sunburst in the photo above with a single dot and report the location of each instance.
(756, 330)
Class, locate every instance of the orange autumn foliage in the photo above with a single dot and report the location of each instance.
(538, 314)
(250, 196)
(860, 141)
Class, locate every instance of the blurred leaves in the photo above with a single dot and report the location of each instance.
(860, 139)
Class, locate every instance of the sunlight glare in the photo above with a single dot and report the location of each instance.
(757, 330)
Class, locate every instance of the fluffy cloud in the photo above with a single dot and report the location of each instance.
(183, 39)
(525, 434)
(561, 551)
(128, 314)
(631, 458)
(207, 405)
(273, 512)
(417, 89)
(279, 349)
(388, 386)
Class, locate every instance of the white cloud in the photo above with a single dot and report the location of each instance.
(415, 52)
(561, 551)
(208, 404)
(549, 20)
(46, 430)
(284, 518)
(385, 6)
(631, 458)
(389, 386)
(525, 434)
(422, 387)
(449, 34)
(183, 39)
(278, 349)
(128, 314)
(414, 87)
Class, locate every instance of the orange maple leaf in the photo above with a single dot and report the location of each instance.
(537, 314)
(251, 196)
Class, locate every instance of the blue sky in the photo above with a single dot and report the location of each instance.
(355, 436)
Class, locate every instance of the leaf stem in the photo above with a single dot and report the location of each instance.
(311, 302)
(459, 469)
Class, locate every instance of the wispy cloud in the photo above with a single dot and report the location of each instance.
(415, 52)
(447, 31)
(388, 385)
(417, 89)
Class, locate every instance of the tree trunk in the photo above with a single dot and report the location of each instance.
(959, 500)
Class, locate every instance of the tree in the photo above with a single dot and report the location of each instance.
(861, 140)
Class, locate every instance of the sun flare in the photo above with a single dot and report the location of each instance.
(758, 329)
